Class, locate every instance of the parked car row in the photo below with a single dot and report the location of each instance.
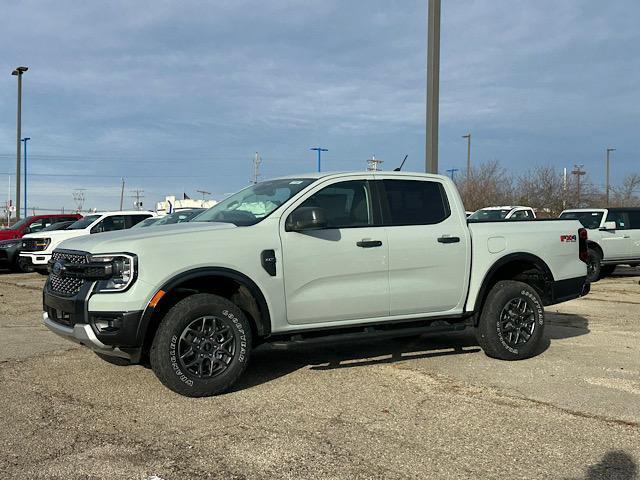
(31, 241)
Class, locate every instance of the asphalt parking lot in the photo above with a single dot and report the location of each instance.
(427, 407)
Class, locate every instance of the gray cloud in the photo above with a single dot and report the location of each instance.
(189, 90)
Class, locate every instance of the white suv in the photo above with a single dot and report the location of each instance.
(38, 247)
(507, 212)
(614, 237)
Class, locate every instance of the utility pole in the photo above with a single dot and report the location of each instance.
(203, 192)
(122, 194)
(19, 71)
(257, 160)
(578, 172)
(609, 150)
(319, 150)
(452, 171)
(137, 194)
(468, 137)
(564, 188)
(433, 86)
(25, 140)
(373, 164)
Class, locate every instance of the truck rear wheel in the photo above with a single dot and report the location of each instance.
(202, 346)
(511, 322)
(594, 261)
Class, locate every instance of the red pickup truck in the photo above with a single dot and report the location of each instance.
(34, 224)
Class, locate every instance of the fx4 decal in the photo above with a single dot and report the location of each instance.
(568, 238)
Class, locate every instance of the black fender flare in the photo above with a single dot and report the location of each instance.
(510, 258)
(263, 324)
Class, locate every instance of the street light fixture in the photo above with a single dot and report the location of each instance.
(18, 72)
(319, 150)
(609, 150)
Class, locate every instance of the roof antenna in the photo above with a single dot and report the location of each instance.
(401, 165)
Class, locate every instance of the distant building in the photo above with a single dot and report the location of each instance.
(170, 204)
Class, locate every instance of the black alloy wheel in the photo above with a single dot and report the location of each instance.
(206, 347)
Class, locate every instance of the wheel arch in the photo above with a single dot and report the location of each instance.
(524, 267)
(227, 283)
(595, 246)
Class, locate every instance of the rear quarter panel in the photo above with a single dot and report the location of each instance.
(555, 242)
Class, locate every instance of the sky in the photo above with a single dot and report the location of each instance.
(177, 96)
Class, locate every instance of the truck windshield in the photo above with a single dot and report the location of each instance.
(249, 206)
(589, 220)
(489, 215)
(84, 222)
(19, 224)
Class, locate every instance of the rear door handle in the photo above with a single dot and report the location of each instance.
(369, 243)
(447, 239)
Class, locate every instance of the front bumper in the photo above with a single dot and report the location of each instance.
(110, 333)
(37, 259)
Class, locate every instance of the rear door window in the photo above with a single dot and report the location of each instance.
(634, 219)
(135, 219)
(415, 202)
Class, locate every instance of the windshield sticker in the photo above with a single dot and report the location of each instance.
(295, 182)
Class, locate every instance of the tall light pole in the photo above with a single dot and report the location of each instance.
(25, 140)
(19, 71)
(319, 150)
(433, 86)
(468, 137)
(609, 150)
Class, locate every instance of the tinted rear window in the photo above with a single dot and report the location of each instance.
(414, 202)
(587, 219)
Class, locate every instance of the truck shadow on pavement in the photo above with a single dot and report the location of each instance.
(269, 362)
(616, 464)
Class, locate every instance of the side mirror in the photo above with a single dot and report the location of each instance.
(609, 226)
(306, 218)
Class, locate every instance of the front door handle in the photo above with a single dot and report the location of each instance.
(369, 243)
(447, 239)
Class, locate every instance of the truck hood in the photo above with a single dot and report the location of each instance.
(9, 234)
(58, 235)
(134, 240)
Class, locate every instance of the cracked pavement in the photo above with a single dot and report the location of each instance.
(425, 407)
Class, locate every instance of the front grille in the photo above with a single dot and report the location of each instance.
(66, 286)
(28, 244)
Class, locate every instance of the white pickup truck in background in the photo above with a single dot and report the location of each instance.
(507, 212)
(614, 238)
(298, 258)
(37, 247)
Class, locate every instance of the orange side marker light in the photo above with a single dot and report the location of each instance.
(156, 298)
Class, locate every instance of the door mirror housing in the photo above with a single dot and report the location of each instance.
(306, 218)
(609, 226)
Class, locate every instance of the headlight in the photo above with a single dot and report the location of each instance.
(123, 271)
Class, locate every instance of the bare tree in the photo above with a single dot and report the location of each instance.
(486, 185)
(627, 194)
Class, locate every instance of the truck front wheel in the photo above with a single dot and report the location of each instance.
(202, 346)
(511, 322)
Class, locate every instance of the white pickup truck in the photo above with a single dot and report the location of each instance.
(38, 247)
(297, 258)
(614, 237)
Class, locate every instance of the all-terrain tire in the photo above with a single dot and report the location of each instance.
(511, 323)
(202, 346)
(594, 265)
(119, 361)
(22, 265)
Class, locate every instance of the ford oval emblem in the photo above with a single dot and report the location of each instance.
(57, 268)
